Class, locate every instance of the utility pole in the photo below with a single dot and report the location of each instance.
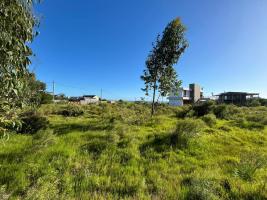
(53, 91)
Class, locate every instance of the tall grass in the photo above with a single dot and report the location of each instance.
(116, 151)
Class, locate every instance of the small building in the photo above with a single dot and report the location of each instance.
(181, 96)
(74, 99)
(238, 98)
(85, 99)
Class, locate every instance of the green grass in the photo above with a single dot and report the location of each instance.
(118, 152)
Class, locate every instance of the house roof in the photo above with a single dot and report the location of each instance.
(74, 99)
(91, 96)
(236, 93)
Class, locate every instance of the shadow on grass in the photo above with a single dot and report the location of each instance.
(158, 143)
(71, 127)
(12, 157)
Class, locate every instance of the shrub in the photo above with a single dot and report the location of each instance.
(253, 103)
(243, 123)
(95, 147)
(263, 102)
(224, 111)
(128, 113)
(4, 195)
(209, 119)
(71, 111)
(166, 109)
(43, 139)
(258, 117)
(185, 130)
(201, 189)
(183, 111)
(32, 122)
(248, 165)
(203, 108)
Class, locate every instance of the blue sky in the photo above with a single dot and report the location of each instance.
(88, 45)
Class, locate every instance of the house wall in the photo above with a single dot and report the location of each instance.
(185, 95)
(88, 100)
(176, 97)
(176, 101)
(195, 93)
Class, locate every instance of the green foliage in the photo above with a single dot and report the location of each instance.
(201, 189)
(248, 166)
(61, 97)
(263, 102)
(254, 103)
(243, 123)
(106, 154)
(159, 73)
(35, 90)
(46, 98)
(186, 130)
(17, 30)
(258, 117)
(209, 119)
(203, 108)
(17, 25)
(32, 122)
(225, 111)
(71, 111)
(183, 111)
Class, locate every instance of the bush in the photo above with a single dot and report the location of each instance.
(248, 165)
(209, 119)
(224, 111)
(165, 109)
(32, 122)
(243, 123)
(183, 111)
(201, 189)
(263, 102)
(258, 117)
(95, 147)
(253, 103)
(71, 111)
(43, 139)
(203, 108)
(128, 113)
(185, 130)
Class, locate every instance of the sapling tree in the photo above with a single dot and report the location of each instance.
(17, 30)
(160, 75)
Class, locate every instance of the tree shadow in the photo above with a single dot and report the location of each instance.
(12, 157)
(158, 143)
(63, 129)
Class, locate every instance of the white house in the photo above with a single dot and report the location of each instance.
(181, 96)
(178, 97)
(87, 99)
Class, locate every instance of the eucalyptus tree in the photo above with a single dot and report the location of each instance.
(160, 74)
(17, 30)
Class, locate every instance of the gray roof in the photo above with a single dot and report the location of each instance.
(236, 93)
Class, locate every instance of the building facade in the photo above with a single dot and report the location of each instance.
(86, 99)
(181, 96)
(238, 98)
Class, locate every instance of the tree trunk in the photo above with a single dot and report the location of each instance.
(153, 101)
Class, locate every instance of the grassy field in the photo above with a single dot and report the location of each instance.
(118, 152)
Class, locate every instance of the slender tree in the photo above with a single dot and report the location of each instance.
(17, 30)
(160, 74)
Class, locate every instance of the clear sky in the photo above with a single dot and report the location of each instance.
(86, 45)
